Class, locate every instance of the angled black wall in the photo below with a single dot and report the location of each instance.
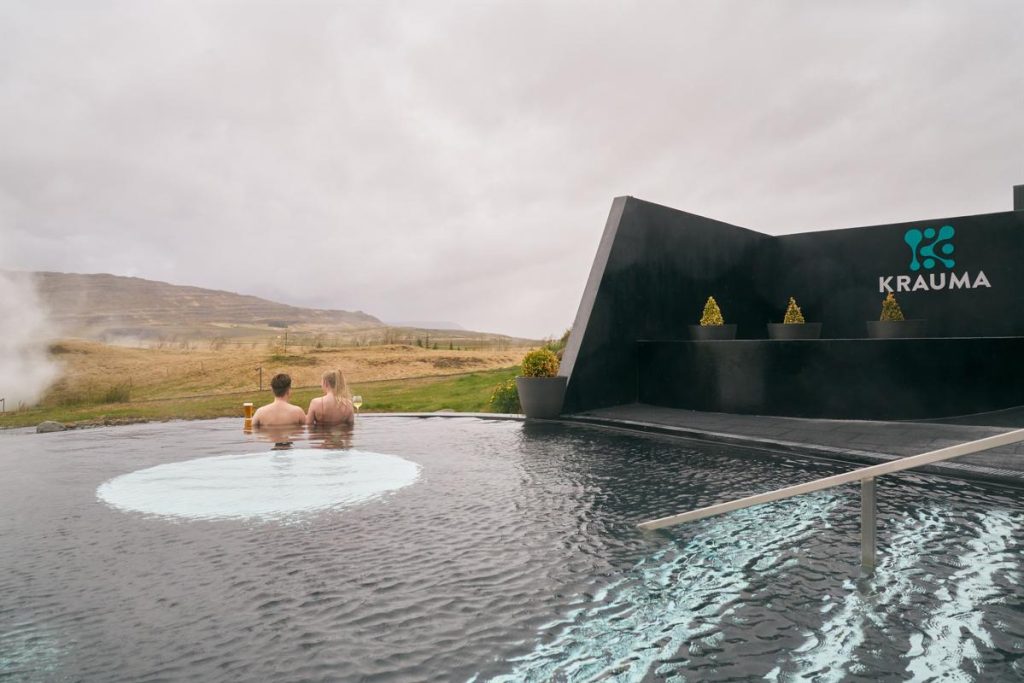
(654, 270)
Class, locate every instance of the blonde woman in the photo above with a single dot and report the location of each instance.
(335, 406)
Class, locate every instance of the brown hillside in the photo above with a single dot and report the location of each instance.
(108, 306)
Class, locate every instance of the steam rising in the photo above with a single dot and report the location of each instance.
(26, 369)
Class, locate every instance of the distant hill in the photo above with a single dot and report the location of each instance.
(428, 324)
(109, 306)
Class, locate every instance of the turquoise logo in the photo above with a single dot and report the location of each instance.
(929, 247)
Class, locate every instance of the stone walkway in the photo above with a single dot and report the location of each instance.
(856, 441)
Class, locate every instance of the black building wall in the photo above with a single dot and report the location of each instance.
(656, 266)
(834, 275)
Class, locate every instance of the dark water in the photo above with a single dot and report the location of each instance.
(513, 556)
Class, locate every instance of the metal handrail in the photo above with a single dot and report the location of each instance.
(866, 475)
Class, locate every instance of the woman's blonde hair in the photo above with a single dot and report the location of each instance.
(336, 381)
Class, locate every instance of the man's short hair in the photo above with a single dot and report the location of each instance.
(281, 384)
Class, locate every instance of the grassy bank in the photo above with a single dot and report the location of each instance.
(463, 393)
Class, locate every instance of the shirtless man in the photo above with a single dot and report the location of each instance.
(280, 412)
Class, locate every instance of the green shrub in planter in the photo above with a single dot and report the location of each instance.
(793, 326)
(891, 309)
(892, 325)
(712, 313)
(541, 390)
(712, 325)
(794, 316)
(540, 363)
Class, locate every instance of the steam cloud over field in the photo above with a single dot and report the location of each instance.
(25, 366)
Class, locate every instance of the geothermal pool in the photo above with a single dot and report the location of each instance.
(444, 549)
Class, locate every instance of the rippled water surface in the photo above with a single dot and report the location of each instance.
(463, 549)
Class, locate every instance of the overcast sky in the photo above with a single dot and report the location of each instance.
(456, 161)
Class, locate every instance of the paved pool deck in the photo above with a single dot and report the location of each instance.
(854, 441)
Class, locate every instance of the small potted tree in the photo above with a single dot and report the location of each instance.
(712, 325)
(793, 325)
(541, 390)
(892, 325)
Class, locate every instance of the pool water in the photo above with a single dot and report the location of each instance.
(447, 549)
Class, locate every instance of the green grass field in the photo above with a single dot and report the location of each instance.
(462, 393)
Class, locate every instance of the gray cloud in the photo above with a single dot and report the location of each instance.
(457, 160)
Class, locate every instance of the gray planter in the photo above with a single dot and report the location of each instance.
(712, 332)
(784, 331)
(897, 329)
(541, 397)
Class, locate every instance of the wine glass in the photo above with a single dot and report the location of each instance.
(357, 401)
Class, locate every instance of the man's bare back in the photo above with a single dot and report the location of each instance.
(280, 412)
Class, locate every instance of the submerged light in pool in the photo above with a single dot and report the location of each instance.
(259, 485)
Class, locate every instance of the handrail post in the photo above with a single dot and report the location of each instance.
(868, 525)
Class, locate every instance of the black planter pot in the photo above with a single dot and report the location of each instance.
(897, 329)
(784, 331)
(541, 397)
(712, 332)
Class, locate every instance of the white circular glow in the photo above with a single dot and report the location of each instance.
(259, 485)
